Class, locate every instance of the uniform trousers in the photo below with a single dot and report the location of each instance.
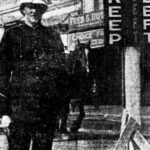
(40, 130)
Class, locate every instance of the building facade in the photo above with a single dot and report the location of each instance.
(111, 26)
(106, 59)
(84, 22)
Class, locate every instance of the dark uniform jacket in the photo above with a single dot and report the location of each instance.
(32, 71)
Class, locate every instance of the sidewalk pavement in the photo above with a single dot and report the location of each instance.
(100, 129)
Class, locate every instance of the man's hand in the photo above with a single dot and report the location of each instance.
(5, 121)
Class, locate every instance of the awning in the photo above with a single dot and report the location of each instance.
(59, 15)
(49, 18)
(61, 11)
(54, 20)
(10, 17)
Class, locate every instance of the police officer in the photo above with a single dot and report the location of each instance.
(33, 78)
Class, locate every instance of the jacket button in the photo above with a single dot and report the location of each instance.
(35, 41)
(37, 68)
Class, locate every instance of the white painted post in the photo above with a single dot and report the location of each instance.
(133, 82)
(133, 85)
(132, 108)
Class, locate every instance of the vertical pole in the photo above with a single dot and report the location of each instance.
(133, 82)
(123, 77)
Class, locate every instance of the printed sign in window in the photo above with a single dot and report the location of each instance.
(95, 36)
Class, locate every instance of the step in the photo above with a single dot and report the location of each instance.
(97, 144)
(86, 134)
(87, 139)
(116, 110)
(96, 115)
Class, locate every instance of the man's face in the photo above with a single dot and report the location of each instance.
(33, 13)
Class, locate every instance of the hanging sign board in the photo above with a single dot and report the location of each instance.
(95, 36)
(87, 20)
(132, 25)
(122, 22)
(113, 21)
(146, 20)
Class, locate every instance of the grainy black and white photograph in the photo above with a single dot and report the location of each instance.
(74, 74)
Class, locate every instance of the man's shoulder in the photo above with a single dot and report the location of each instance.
(14, 26)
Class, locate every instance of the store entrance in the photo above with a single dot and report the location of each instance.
(106, 71)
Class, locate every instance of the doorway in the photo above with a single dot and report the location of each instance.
(107, 70)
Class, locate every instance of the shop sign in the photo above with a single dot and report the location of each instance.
(96, 38)
(87, 20)
(146, 20)
(113, 21)
(122, 22)
(132, 25)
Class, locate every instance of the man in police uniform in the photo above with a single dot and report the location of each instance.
(33, 78)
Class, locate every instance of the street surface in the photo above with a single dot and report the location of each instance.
(100, 129)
